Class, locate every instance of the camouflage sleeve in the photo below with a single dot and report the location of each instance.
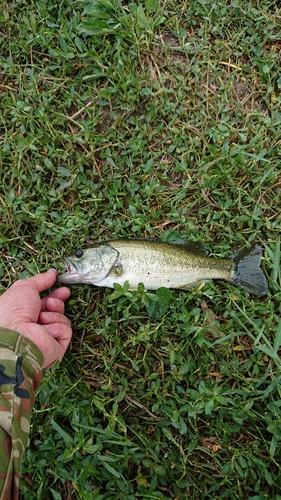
(20, 375)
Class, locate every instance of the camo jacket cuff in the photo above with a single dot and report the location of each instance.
(21, 364)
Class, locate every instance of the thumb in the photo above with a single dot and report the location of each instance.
(41, 281)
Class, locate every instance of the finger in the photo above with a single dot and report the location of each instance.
(54, 305)
(61, 333)
(49, 317)
(62, 293)
(41, 281)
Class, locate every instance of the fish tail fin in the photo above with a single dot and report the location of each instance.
(247, 273)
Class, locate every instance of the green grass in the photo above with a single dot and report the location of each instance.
(148, 119)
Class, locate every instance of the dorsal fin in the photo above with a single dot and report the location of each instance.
(196, 247)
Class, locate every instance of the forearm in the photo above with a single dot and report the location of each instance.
(20, 375)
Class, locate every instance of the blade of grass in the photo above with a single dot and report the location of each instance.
(277, 339)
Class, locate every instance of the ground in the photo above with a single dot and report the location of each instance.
(148, 119)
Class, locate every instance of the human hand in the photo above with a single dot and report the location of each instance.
(41, 320)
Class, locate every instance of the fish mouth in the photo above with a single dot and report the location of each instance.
(70, 267)
(72, 272)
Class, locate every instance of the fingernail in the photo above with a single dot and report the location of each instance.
(51, 270)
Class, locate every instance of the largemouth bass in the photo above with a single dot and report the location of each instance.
(155, 264)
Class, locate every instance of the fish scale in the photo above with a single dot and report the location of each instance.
(163, 264)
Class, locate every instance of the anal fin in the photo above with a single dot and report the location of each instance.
(194, 284)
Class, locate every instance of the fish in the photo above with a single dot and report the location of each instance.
(178, 264)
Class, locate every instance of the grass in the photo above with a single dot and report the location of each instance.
(155, 119)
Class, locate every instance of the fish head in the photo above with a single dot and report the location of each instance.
(89, 265)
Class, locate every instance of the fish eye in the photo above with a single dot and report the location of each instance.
(79, 253)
